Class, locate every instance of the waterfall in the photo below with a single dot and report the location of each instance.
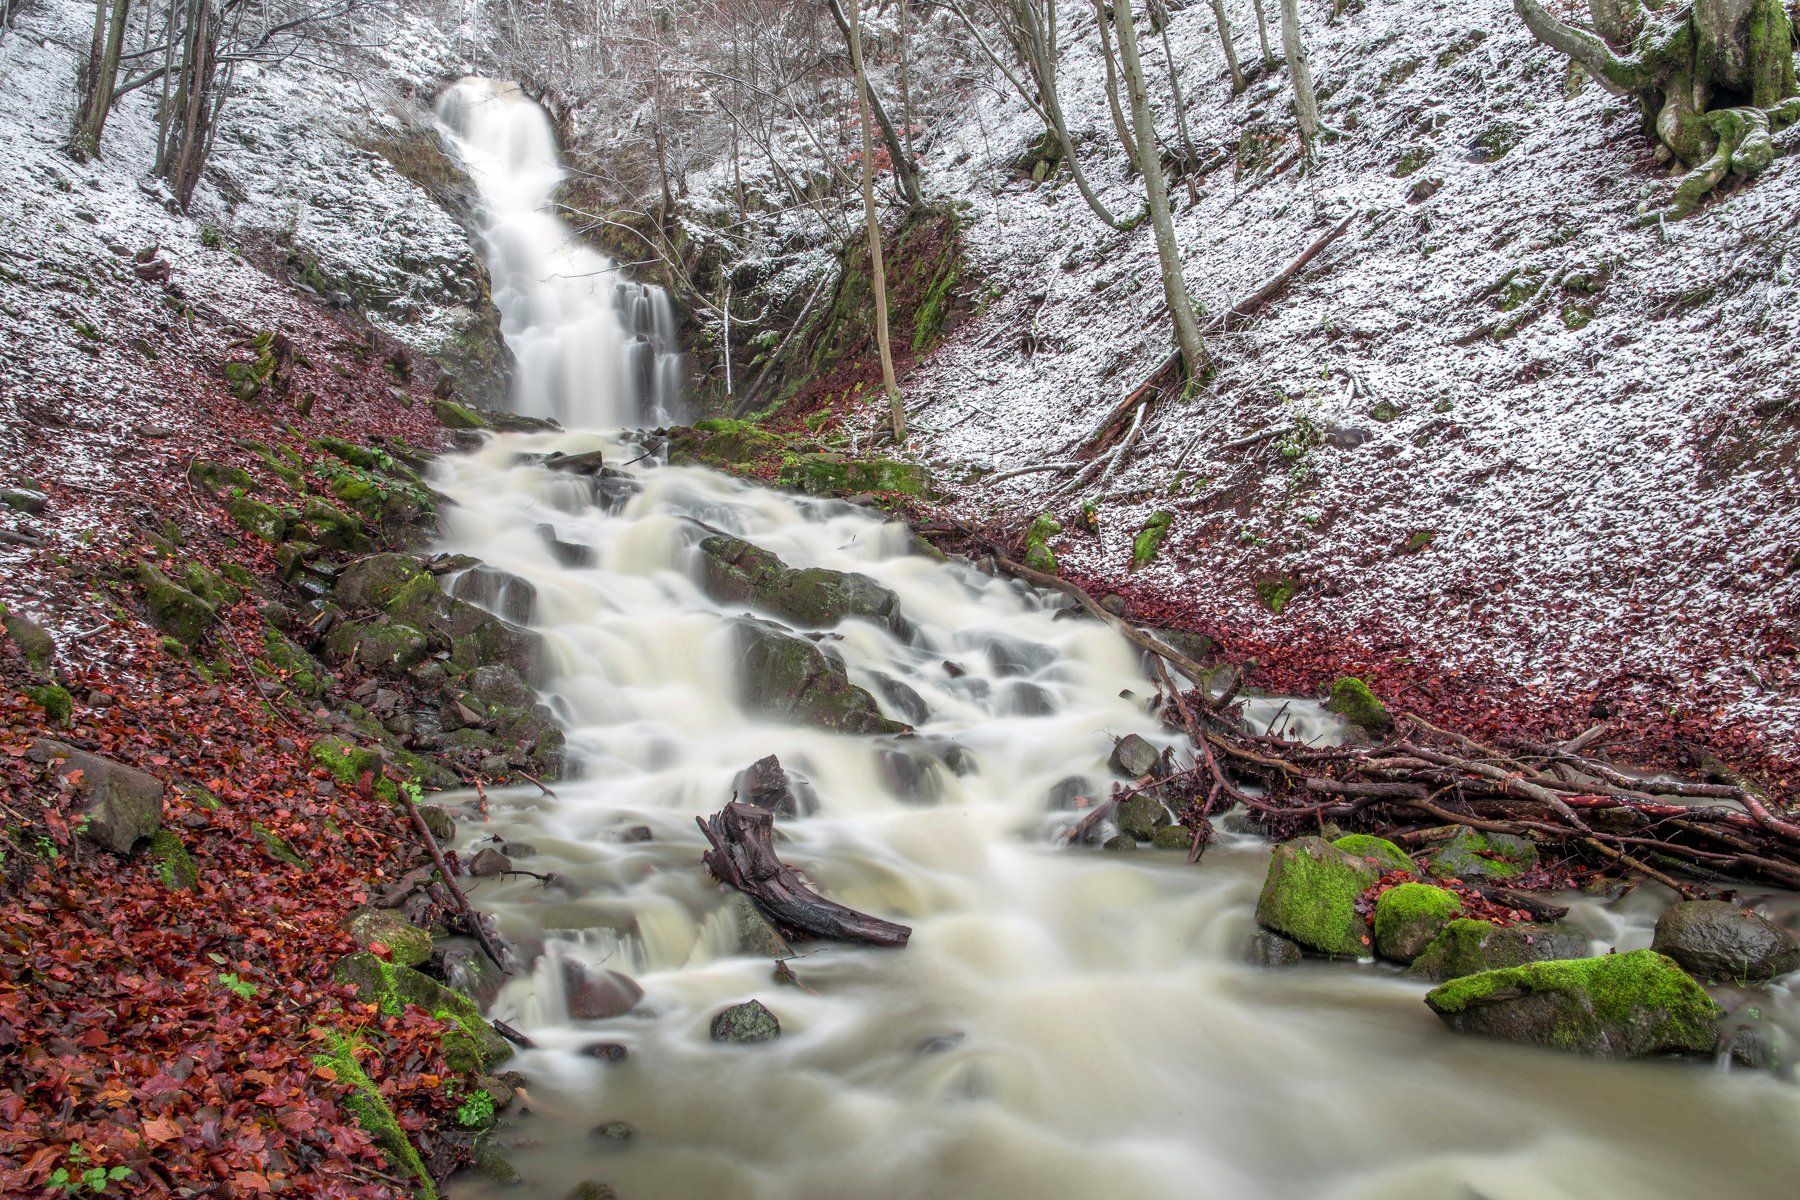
(595, 350)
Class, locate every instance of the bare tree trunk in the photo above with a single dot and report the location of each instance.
(99, 77)
(1238, 83)
(1306, 101)
(877, 269)
(1190, 159)
(1181, 309)
(1262, 34)
(906, 172)
(1126, 138)
(1038, 44)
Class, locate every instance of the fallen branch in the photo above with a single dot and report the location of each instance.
(471, 918)
(743, 855)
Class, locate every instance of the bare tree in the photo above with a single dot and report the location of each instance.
(1110, 61)
(906, 172)
(1262, 34)
(1174, 280)
(1238, 83)
(97, 82)
(872, 221)
(1306, 101)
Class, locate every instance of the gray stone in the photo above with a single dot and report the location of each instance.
(120, 805)
(1467, 947)
(736, 572)
(756, 934)
(787, 677)
(1142, 815)
(767, 785)
(1133, 757)
(1268, 949)
(1472, 854)
(1726, 942)
(746, 1022)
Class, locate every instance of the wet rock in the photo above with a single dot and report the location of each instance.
(787, 677)
(568, 554)
(756, 934)
(1384, 854)
(1023, 698)
(1142, 815)
(1726, 942)
(595, 994)
(1013, 657)
(488, 862)
(1267, 949)
(1310, 895)
(500, 592)
(746, 1022)
(587, 463)
(439, 821)
(912, 777)
(1615, 1006)
(1472, 854)
(613, 1135)
(607, 1052)
(1133, 757)
(1173, 837)
(767, 785)
(120, 805)
(636, 833)
(1410, 916)
(380, 643)
(1119, 841)
(591, 1190)
(36, 646)
(1466, 947)
(735, 572)
(471, 972)
(903, 698)
(959, 759)
(1066, 792)
(407, 944)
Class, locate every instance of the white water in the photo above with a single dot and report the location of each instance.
(594, 350)
(1065, 1024)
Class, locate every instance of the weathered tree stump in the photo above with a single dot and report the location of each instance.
(1714, 79)
(743, 855)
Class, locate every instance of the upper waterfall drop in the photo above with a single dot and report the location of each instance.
(595, 350)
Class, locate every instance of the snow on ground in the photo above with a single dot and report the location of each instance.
(1609, 508)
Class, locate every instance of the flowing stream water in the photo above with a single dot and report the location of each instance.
(1065, 1023)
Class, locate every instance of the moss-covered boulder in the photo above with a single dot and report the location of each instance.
(1410, 916)
(1616, 1006)
(1353, 700)
(1473, 854)
(746, 1022)
(470, 1045)
(1142, 815)
(1310, 895)
(173, 609)
(734, 571)
(1466, 947)
(121, 806)
(57, 702)
(1173, 837)
(721, 442)
(1726, 942)
(406, 943)
(35, 646)
(836, 475)
(790, 678)
(452, 415)
(263, 520)
(286, 660)
(1384, 854)
(380, 643)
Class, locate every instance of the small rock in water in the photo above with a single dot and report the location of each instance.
(1272, 950)
(939, 1044)
(1119, 841)
(594, 993)
(1726, 942)
(488, 862)
(635, 833)
(613, 1135)
(590, 1190)
(611, 1052)
(1142, 815)
(746, 1022)
(1133, 757)
(767, 785)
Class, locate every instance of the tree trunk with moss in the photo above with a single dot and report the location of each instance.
(1713, 81)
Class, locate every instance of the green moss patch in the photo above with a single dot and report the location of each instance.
(1038, 555)
(1408, 917)
(174, 865)
(1310, 895)
(1149, 540)
(364, 1101)
(1387, 856)
(1353, 700)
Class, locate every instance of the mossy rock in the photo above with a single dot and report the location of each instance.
(335, 529)
(1038, 555)
(55, 700)
(1173, 837)
(744, 1023)
(788, 677)
(287, 660)
(737, 572)
(826, 474)
(1615, 1006)
(217, 477)
(276, 846)
(380, 643)
(174, 865)
(1310, 895)
(1276, 592)
(348, 762)
(721, 442)
(470, 1045)
(1387, 856)
(1410, 916)
(1352, 700)
(452, 415)
(364, 1101)
(263, 520)
(1142, 816)
(173, 609)
(1466, 947)
(1149, 540)
(210, 586)
(407, 944)
(1472, 854)
(37, 646)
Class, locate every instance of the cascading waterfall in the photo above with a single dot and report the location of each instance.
(1066, 1024)
(594, 350)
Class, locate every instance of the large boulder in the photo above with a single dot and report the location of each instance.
(594, 993)
(173, 609)
(1384, 854)
(1142, 815)
(790, 678)
(1134, 757)
(1616, 1006)
(406, 943)
(1468, 947)
(120, 805)
(1310, 896)
(1410, 916)
(1472, 854)
(1727, 942)
(736, 572)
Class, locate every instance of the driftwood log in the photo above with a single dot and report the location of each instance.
(743, 855)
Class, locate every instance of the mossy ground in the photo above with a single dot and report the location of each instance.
(366, 1103)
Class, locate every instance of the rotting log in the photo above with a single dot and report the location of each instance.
(743, 855)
